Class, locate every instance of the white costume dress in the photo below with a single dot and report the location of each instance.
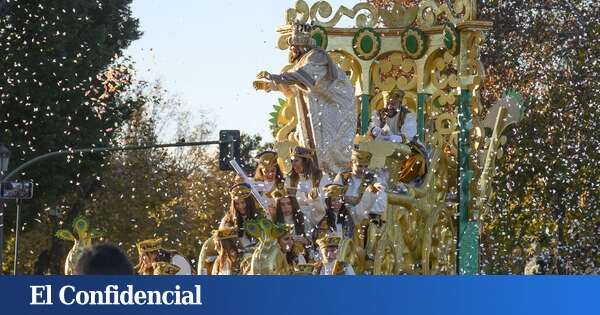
(371, 202)
(331, 105)
(313, 209)
(263, 188)
(184, 265)
(390, 130)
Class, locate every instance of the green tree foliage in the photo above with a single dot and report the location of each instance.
(59, 87)
(179, 195)
(250, 146)
(547, 186)
(159, 193)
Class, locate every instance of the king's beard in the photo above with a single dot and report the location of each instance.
(391, 112)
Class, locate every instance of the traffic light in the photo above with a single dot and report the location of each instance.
(16, 190)
(229, 148)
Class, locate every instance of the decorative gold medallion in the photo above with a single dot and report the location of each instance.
(366, 43)
(414, 43)
(451, 39)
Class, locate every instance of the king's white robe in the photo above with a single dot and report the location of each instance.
(331, 107)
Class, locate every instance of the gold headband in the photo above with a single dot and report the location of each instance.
(302, 152)
(329, 241)
(148, 246)
(240, 191)
(267, 159)
(334, 191)
(164, 268)
(304, 269)
(225, 233)
(361, 156)
(393, 95)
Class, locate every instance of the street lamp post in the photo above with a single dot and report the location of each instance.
(4, 159)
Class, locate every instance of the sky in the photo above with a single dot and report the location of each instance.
(208, 53)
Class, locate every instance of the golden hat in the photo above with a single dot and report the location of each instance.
(299, 246)
(225, 232)
(267, 159)
(240, 191)
(393, 95)
(148, 246)
(334, 190)
(302, 152)
(301, 36)
(329, 241)
(361, 156)
(164, 268)
(281, 192)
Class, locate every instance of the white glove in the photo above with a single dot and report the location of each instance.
(376, 131)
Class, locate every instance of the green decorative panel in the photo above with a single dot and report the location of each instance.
(468, 242)
(364, 114)
(468, 257)
(319, 34)
(451, 39)
(366, 43)
(414, 43)
(421, 99)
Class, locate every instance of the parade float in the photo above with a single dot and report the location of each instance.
(429, 50)
(426, 54)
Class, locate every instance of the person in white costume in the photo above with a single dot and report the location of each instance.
(268, 178)
(154, 259)
(325, 100)
(242, 208)
(337, 219)
(394, 122)
(287, 211)
(227, 246)
(306, 182)
(293, 250)
(364, 191)
(329, 265)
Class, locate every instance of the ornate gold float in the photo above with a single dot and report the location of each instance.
(430, 50)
